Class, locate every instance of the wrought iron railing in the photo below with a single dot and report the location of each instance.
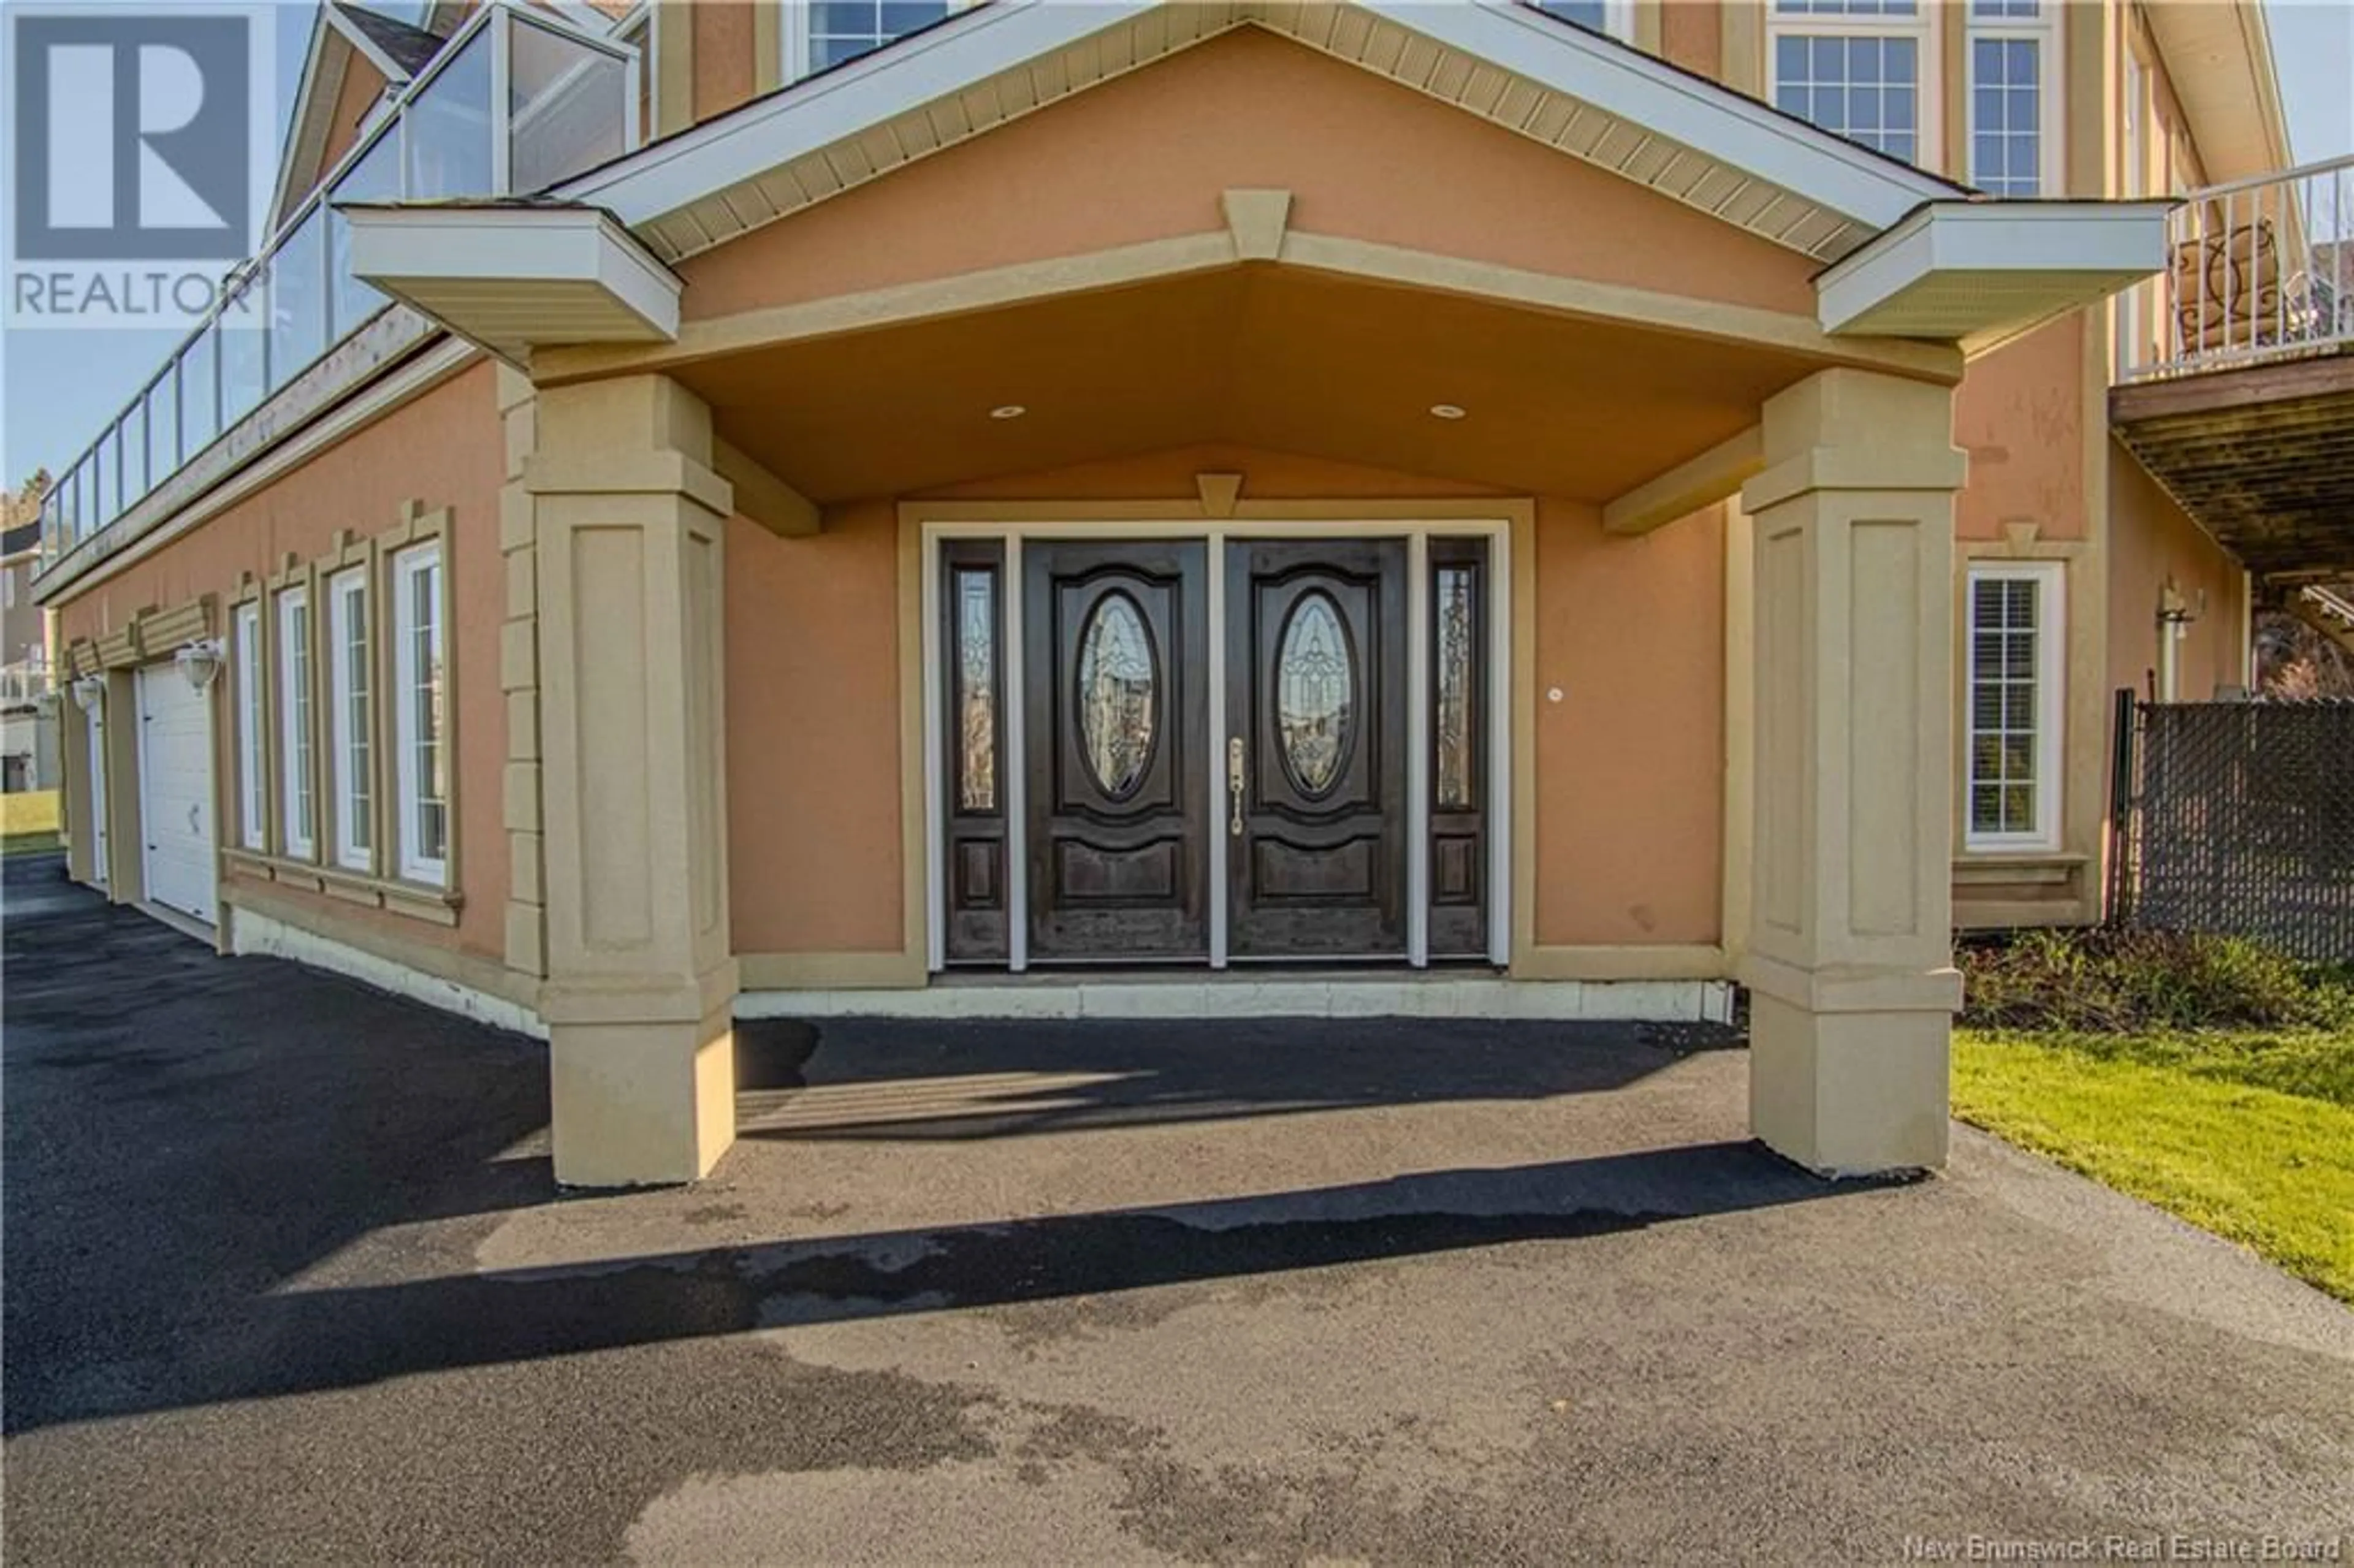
(2259, 268)
(517, 100)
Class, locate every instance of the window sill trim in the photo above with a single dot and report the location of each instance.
(436, 904)
(2009, 865)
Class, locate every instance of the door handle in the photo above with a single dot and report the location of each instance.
(1234, 784)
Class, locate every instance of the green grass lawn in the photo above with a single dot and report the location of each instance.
(28, 844)
(2246, 1134)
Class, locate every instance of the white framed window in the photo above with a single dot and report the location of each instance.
(252, 711)
(351, 755)
(2135, 107)
(636, 28)
(2016, 623)
(822, 34)
(1864, 68)
(1615, 17)
(421, 718)
(297, 809)
(2013, 84)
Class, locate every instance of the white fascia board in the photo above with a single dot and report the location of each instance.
(1737, 131)
(986, 41)
(2074, 243)
(281, 198)
(404, 250)
(971, 46)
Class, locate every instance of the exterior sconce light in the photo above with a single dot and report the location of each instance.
(2173, 612)
(200, 663)
(87, 691)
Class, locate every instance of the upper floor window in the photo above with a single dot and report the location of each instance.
(833, 31)
(1615, 17)
(1858, 68)
(2013, 135)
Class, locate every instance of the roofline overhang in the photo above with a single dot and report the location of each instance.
(1980, 273)
(1838, 191)
(512, 276)
(2215, 117)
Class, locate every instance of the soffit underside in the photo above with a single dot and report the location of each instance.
(1263, 358)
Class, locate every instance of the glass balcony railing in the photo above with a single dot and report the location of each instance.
(516, 101)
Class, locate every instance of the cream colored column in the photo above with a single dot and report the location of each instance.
(1849, 960)
(641, 984)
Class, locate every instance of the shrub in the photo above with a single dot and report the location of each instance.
(2116, 981)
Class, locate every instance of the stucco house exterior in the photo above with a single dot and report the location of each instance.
(1086, 509)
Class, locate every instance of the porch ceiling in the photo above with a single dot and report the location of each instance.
(1277, 358)
(2262, 457)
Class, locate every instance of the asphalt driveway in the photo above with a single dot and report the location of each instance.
(286, 1280)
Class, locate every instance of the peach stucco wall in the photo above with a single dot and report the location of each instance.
(2019, 414)
(1146, 156)
(724, 55)
(442, 450)
(362, 85)
(814, 762)
(1629, 763)
(2152, 543)
(1692, 35)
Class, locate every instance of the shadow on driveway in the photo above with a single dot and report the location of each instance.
(188, 1137)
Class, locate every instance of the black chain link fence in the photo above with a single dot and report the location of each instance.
(2237, 819)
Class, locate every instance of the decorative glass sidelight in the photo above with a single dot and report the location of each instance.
(976, 695)
(1454, 686)
(1315, 694)
(1461, 789)
(1119, 677)
(973, 721)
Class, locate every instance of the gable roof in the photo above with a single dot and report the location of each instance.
(1688, 138)
(341, 33)
(400, 50)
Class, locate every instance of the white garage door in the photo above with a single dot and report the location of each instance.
(176, 792)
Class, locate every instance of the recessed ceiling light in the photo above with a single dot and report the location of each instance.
(1446, 412)
(1008, 412)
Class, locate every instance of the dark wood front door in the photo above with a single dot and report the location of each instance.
(1117, 714)
(1316, 676)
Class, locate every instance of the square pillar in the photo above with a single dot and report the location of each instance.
(629, 523)
(1850, 946)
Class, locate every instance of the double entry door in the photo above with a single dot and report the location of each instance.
(1267, 766)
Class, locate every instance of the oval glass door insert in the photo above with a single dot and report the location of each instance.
(1315, 694)
(1119, 677)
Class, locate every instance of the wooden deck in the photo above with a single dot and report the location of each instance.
(2262, 456)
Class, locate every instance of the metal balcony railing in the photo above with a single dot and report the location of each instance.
(517, 100)
(2259, 268)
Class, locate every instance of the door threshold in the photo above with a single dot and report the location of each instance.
(1343, 971)
(1202, 995)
